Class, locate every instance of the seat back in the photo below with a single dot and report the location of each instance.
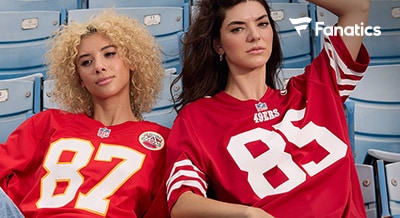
(377, 110)
(384, 49)
(385, 15)
(23, 41)
(18, 101)
(27, 26)
(393, 184)
(367, 183)
(296, 49)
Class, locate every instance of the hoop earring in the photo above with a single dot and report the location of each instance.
(221, 57)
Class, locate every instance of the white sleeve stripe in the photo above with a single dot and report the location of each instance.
(345, 92)
(339, 66)
(190, 183)
(183, 163)
(348, 82)
(187, 173)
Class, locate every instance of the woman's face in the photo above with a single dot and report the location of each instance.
(246, 37)
(101, 69)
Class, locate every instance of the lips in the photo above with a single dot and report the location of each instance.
(104, 80)
(256, 50)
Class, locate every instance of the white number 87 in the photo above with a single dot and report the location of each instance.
(277, 157)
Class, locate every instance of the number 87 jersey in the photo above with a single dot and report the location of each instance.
(69, 165)
(285, 153)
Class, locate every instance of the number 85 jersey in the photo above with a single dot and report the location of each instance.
(287, 153)
(69, 165)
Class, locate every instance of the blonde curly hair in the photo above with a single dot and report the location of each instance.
(135, 45)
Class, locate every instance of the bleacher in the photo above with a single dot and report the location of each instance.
(373, 109)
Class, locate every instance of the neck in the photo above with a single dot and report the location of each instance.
(247, 86)
(113, 113)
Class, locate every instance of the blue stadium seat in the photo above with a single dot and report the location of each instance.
(385, 14)
(366, 177)
(377, 110)
(47, 100)
(163, 112)
(296, 48)
(387, 176)
(39, 5)
(384, 49)
(23, 41)
(19, 99)
(134, 3)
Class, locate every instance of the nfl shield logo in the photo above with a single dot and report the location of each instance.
(103, 132)
(261, 106)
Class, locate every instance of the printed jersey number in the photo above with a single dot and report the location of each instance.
(277, 157)
(96, 200)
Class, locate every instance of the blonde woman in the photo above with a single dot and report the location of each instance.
(96, 157)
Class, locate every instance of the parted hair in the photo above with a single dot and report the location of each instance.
(203, 74)
(135, 45)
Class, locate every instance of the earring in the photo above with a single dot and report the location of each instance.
(221, 57)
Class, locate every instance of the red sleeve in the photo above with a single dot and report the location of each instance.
(185, 167)
(335, 67)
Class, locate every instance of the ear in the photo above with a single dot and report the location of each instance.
(217, 47)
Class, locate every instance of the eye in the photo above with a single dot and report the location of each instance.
(263, 24)
(236, 29)
(86, 63)
(110, 54)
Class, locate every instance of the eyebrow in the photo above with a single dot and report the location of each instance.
(102, 49)
(241, 22)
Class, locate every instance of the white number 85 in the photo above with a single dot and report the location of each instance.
(277, 157)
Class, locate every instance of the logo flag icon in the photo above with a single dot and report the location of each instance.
(300, 23)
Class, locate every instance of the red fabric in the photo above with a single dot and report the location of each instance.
(289, 156)
(62, 168)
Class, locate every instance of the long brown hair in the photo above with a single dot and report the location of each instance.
(203, 74)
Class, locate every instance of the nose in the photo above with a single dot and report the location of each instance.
(99, 66)
(254, 34)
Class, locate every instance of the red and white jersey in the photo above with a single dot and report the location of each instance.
(69, 165)
(288, 153)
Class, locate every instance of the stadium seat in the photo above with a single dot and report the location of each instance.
(163, 112)
(137, 3)
(393, 184)
(367, 183)
(296, 48)
(377, 110)
(39, 5)
(47, 100)
(385, 15)
(19, 99)
(23, 41)
(387, 174)
(384, 49)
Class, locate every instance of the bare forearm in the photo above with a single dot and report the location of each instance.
(349, 13)
(195, 206)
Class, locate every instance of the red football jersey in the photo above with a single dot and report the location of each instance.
(288, 153)
(68, 165)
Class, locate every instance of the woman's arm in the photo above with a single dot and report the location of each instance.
(196, 206)
(349, 13)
